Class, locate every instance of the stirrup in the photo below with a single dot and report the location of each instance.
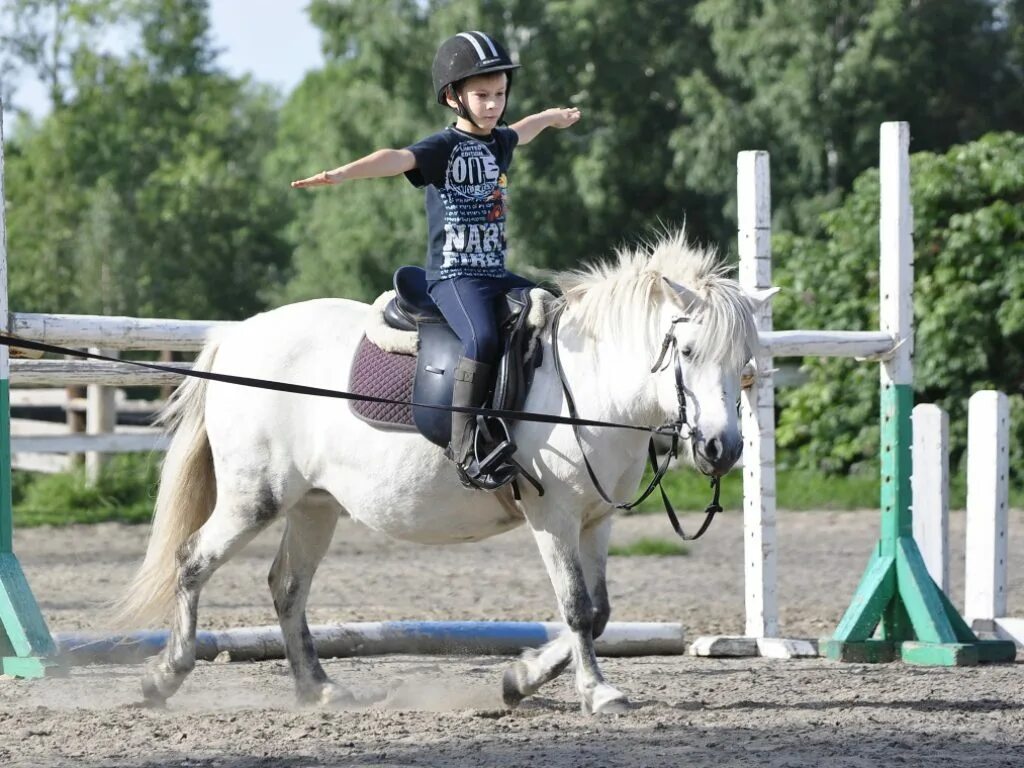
(502, 451)
(494, 470)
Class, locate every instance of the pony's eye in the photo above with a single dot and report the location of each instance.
(687, 352)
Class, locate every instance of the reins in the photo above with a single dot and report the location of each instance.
(674, 427)
(302, 389)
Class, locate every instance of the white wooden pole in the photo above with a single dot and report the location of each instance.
(758, 404)
(930, 489)
(987, 501)
(100, 419)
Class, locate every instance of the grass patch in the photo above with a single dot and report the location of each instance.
(796, 490)
(124, 493)
(646, 546)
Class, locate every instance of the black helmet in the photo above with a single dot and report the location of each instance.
(467, 54)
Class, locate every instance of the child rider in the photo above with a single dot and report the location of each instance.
(464, 170)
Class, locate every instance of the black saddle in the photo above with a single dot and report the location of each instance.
(412, 309)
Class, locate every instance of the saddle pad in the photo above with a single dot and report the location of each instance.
(377, 373)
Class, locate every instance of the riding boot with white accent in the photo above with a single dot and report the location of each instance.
(472, 379)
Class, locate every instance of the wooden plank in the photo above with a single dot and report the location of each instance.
(80, 443)
(896, 266)
(112, 332)
(85, 372)
(827, 343)
(940, 654)
(920, 596)
(930, 489)
(877, 587)
(1010, 629)
(862, 652)
(987, 503)
(723, 645)
(757, 411)
(39, 398)
(786, 648)
(46, 463)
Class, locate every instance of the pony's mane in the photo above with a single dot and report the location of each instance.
(622, 295)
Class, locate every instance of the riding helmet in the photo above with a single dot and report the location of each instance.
(467, 54)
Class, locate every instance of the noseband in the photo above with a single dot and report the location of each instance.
(672, 427)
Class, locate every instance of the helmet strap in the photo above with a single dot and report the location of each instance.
(461, 110)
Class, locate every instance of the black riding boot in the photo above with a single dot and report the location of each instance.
(470, 391)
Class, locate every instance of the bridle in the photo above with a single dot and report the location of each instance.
(673, 427)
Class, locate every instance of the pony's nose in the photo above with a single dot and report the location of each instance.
(719, 455)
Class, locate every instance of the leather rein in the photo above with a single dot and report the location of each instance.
(675, 427)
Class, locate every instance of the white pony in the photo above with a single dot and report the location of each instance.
(240, 457)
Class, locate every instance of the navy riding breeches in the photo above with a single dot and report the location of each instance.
(470, 305)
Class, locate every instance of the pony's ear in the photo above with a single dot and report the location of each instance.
(690, 301)
(762, 296)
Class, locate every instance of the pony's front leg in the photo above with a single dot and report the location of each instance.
(559, 547)
(539, 666)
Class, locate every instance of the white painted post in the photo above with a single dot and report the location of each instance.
(930, 489)
(100, 419)
(758, 403)
(987, 501)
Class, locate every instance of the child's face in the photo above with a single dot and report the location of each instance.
(484, 97)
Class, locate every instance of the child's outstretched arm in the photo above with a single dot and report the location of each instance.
(557, 117)
(383, 162)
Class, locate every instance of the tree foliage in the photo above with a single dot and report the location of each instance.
(158, 185)
(968, 300)
(142, 195)
(810, 82)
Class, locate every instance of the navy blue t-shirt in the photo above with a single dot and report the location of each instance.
(466, 185)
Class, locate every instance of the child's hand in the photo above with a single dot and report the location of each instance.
(321, 179)
(564, 117)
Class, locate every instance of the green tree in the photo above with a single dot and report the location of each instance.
(48, 36)
(810, 81)
(373, 92)
(574, 195)
(143, 194)
(968, 301)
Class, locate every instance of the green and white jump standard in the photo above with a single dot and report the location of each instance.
(898, 610)
(26, 648)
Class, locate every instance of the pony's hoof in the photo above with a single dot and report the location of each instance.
(606, 700)
(511, 685)
(329, 695)
(152, 698)
(149, 704)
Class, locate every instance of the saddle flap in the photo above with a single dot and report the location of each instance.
(515, 371)
(411, 295)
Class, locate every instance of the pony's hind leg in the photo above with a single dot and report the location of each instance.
(307, 535)
(235, 520)
(539, 666)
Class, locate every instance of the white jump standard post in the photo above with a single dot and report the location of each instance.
(753, 190)
(988, 501)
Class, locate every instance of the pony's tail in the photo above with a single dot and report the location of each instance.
(187, 493)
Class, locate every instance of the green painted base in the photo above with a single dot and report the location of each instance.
(26, 648)
(866, 652)
(898, 611)
(922, 654)
(32, 667)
